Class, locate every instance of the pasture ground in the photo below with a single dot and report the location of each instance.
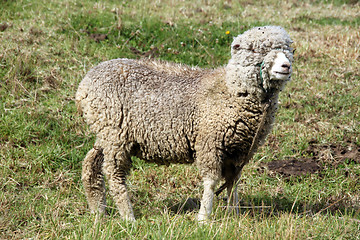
(303, 184)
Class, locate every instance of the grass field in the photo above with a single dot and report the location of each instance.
(46, 47)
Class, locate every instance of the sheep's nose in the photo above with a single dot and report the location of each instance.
(286, 66)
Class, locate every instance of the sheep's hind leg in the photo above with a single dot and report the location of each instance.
(93, 180)
(116, 166)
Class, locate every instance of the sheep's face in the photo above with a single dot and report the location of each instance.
(276, 69)
(281, 68)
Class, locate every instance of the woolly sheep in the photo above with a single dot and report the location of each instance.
(171, 113)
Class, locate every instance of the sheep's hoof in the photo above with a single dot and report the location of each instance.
(203, 219)
(130, 219)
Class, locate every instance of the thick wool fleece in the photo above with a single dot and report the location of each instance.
(141, 108)
(171, 113)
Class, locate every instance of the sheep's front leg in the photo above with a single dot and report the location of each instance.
(207, 199)
(232, 188)
(209, 164)
(116, 167)
(93, 180)
(233, 196)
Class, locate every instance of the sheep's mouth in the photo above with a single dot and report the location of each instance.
(283, 73)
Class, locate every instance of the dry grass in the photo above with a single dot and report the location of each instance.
(44, 53)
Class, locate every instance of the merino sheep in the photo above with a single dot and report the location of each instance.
(171, 113)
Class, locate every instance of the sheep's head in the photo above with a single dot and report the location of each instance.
(265, 50)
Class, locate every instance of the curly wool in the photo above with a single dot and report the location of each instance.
(160, 117)
(171, 113)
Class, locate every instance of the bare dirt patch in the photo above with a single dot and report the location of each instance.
(321, 155)
(335, 154)
(4, 26)
(294, 167)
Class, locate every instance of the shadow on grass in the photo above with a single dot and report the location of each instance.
(272, 206)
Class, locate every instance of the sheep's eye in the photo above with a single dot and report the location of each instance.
(236, 47)
(293, 51)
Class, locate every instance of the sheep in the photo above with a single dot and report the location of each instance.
(172, 113)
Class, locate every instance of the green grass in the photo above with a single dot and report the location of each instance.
(47, 47)
(328, 21)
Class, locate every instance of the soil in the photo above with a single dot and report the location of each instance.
(154, 52)
(335, 154)
(321, 155)
(3, 26)
(294, 167)
(97, 37)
